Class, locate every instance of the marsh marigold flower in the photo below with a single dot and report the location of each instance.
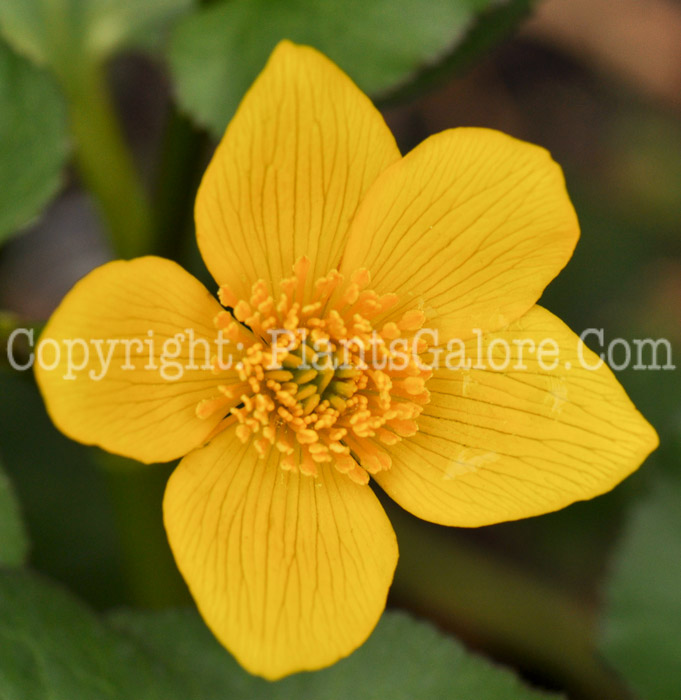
(311, 222)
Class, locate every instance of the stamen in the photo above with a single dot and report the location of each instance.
(330, 397)
(279, 375)
(207, 407)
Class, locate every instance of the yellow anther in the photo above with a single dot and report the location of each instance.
(307, 465)
(413, 385)
(367, 403)
(243, 432)
(351, 294)
(386, 437)
(345, 463)
(288, 462)
(242, 310)
(412, 320)
(259, 292)
(262, 446)
(318, 448)
(279, 375)
(207, 407)
(286, 415)
(223, 319)
(227, 296)
(359, 476)
(307, 437)
(361, 277)
(390, 331)
(311, 308)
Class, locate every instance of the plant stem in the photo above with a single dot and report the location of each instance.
(20, 348)
(136, 492)
(104, 161)
(178, 177)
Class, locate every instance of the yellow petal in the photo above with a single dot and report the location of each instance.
(496, 445)
(290, 572)
(302, 149)
(139, 412)
(470, 226)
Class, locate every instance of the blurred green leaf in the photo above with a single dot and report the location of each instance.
(52, 33)
(382, 44)
(33, 137)
(501, 602)
(13, 539)
(402, 660)
(63, 495)
(645, 170)
(73, 38)
(489, 28)
(54, 648)
(643, 617)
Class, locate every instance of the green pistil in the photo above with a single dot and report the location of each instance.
(343, 389)
(306, 391)
(312, 386)
(304, 376)
(308, 355)
(336, 402)
(323, 380)
(291, 361)
(346, 373)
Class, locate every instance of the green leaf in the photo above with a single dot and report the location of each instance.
(402, 660)
(489, 28)
(54, 648)
(641, 635)
(13, 538)
(73, 39)
(53, 33)
(382, 44)
(34, 141)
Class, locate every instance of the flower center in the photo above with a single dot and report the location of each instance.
(326, 376)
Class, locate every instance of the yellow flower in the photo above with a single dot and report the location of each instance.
(310, 220)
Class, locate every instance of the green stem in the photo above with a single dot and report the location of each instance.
(178, 177)
(20, 347)
(104, 160)
(136, 491)
(501, 607)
